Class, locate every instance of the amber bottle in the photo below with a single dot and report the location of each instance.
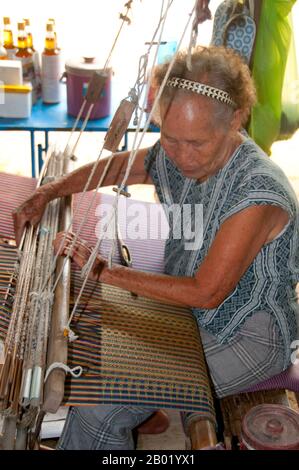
(8, 38)
(25, 55)
(51, 67)
(29, 34)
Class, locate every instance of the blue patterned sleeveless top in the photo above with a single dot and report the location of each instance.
(249, 178)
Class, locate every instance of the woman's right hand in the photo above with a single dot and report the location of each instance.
(30, 211)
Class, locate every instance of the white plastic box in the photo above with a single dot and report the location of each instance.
(15, 101)
(11, 72)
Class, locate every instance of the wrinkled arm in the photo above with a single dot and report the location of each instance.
(236, 244)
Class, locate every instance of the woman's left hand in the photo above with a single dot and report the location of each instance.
(79, 252)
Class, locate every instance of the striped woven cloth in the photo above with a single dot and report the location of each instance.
(133, 350)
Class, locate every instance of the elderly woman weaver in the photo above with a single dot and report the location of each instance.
(240, 283)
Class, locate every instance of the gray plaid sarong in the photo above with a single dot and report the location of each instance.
(253, 355)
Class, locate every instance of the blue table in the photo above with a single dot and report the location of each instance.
(53, 117)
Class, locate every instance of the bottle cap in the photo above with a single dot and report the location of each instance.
(6, 20)
(21, 26)
(51, 20)
(26, 21)
(50, 27)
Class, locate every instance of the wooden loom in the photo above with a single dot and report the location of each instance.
(128, 328)
(141, 359)
(116, 375)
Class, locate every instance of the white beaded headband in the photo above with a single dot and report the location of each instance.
(201, 89)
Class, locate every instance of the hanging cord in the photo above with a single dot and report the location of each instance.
(202, 13)
(143, 61)
(75, 371)
(125, 19)
(140, 83)
(155, 103)
(136, 92)
(129, 166)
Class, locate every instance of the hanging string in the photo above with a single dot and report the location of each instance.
(194, 32)
(140, 83)
(155, 103)
(75, 371)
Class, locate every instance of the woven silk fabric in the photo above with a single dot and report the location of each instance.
(133, 350)
(137, 351)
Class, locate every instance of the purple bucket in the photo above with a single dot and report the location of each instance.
(78, 73)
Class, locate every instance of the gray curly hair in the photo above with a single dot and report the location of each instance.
(215, 66)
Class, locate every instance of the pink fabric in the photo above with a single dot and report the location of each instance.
(288, 379)
(147, 251)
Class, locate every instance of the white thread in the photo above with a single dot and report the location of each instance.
(194, 33)
(75, 371)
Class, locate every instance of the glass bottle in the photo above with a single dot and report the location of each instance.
(35, 57)
(23, 49)
(52, 20)
(51, 68)
(50, 40)
(8, 38)
(25, 55)
(29, 34)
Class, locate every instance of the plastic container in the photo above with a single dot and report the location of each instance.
(15, 101)
(270, 427)
(11, 72)
(78, 73)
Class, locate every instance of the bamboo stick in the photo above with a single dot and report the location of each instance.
(57, 345)
(202, 434)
